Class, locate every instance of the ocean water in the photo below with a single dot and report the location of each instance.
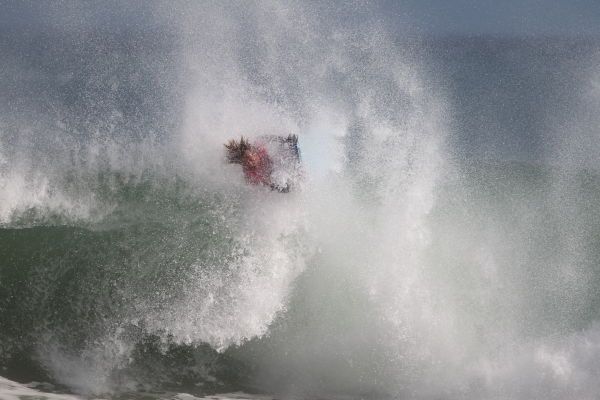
(445, 243)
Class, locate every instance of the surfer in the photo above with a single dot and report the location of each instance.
(269, 161)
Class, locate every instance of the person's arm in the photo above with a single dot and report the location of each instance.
(284, 189)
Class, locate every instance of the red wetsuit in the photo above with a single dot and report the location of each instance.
(260, 173)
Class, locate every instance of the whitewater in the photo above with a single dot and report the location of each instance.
(444, 244)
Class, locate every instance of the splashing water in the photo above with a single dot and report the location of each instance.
(135, 259)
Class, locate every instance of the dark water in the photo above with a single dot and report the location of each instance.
(445, 244)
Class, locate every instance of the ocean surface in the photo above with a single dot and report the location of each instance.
(444, 244)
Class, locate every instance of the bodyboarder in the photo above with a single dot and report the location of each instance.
(271, 161)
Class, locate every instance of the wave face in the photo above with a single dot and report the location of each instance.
(443, 245)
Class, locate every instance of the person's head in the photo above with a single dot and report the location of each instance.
(251, 158)
(236, 151)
